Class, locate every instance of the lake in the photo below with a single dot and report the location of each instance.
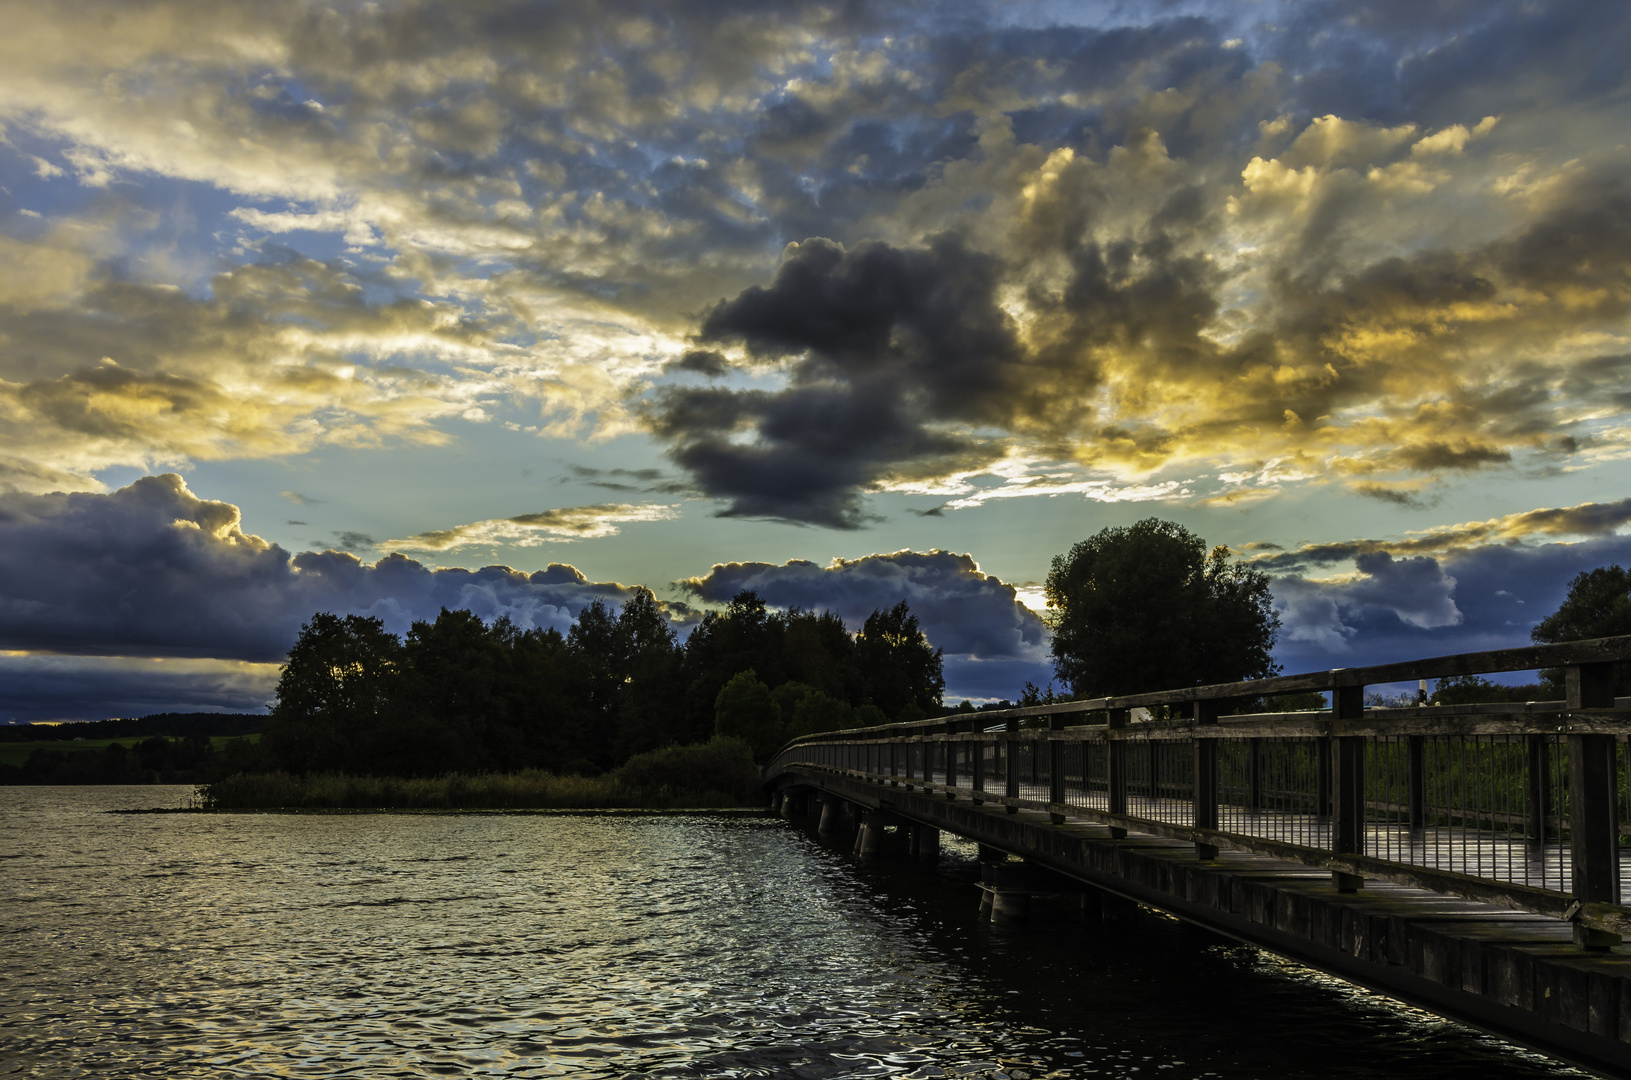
(183, 945)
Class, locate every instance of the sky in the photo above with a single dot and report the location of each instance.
(385, 307)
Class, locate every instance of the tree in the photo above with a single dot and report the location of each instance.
(1598, 604)
(649, 711)
(1145, 608)
(334, 696)
(903, 674)
(744, 709)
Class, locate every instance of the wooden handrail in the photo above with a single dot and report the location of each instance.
(1526, 658)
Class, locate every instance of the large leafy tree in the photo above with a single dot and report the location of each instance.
(1146, 607)
(1598, 604)
(334, 698)
(901, 670)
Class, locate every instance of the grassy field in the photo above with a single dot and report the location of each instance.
(17, 753)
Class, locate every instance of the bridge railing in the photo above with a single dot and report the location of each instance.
(1516, 804)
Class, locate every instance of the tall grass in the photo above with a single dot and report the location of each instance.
(716, 774)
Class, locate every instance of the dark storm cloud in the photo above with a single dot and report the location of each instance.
(50, 688)
(880, 344)
(1398, 60)
(1596, 520)
(152, 570)
(1487, 597)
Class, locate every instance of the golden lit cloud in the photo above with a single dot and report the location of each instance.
(530, 530)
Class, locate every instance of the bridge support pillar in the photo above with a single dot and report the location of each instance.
(925, 845)
(832, 815)
(792, 804)
(991, 854)
(1009, 906)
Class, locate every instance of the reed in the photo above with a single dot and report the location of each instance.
(711, 775)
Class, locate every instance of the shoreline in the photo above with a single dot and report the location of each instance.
(630, 811)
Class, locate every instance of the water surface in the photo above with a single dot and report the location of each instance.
(610, 946)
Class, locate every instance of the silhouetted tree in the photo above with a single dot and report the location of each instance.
(901, 671)
(649, 711)
(745, 635)
(1146, 608)
(1598, 604)
(744, 709)
(334, 694)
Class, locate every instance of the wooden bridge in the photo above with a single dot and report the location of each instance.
(1464, 858)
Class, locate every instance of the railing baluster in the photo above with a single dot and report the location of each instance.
(1538, 789)
(1010, 763)
(1056, 769)
(1415, 781)
(977, 751)
(951, 758)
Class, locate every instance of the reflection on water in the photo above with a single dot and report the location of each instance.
(605, 946)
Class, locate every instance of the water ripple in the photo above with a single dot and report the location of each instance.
(606, 946)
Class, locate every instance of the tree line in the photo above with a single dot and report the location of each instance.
(457, 695)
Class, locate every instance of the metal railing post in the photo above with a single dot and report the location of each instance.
(1593, 811)
(1205, 794)
(977, 750)
(1254, 774)
(1117, 754)
(1416, 780)
(1538, 788)
(1347, 784)
(1010, 763)
(1056, 769)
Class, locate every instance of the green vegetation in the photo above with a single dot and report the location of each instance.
(613, 713)
(1146, 607)
(1598, 604)
(155, 760)
(720, 773)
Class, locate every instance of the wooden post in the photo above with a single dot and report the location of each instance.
(1056, 769)
(1010, 765)
(951, 759)
(977, 749)
(894, 769)
(1538, 789)
(1118, 770)
(1593, 808)
(1206, 778)
(1347, 784)
(1416, 780)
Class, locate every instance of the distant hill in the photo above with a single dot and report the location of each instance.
(139, 727)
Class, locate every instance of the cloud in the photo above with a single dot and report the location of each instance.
(153, 570)
(42, 687)
(993, 643)
(881, 342)
(1584, 520)
(1469, 600)
(530, 530)
(1138, 240)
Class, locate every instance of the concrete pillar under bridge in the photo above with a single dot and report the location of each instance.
(1515, 972)
(835, 816)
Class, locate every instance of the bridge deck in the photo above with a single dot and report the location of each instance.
(1513, 972)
